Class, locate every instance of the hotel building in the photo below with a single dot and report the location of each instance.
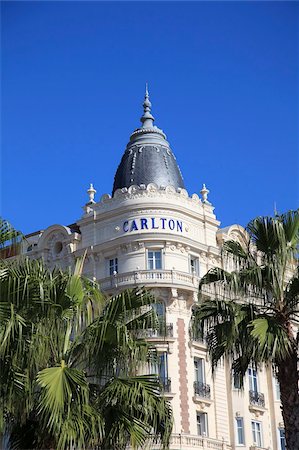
(151, 232)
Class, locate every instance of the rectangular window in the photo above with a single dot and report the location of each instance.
(237, 381)
(282, 439)
(160, 366)
(256, 433)
(113, 266)
(199, 370)
(276, 388)
(154, 259)
(253, 384)
(202, 424)
(240, 431)
(194, 265)
(163, 366)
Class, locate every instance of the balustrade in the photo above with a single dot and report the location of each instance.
(143, 277)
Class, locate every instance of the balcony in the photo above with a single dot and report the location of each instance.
(165, 331)
(149, 278)
(202, 390)
(256, 399)
(188, 441)
(166, 385)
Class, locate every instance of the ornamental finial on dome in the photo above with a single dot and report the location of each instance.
(147, 119)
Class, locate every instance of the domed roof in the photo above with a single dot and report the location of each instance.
(148, 157)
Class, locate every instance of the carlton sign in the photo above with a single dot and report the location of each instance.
(152, 223)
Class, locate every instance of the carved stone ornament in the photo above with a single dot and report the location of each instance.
(195, 198)
(133, 189)
(105, 198)
(170, 190)
(152, 187)
(56, 245)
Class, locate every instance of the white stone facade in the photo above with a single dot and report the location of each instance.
(164, 239)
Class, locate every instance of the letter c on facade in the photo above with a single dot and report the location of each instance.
(126, 226)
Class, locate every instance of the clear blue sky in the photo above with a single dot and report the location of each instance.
(223, 80)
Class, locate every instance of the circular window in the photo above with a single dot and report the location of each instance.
(58, 247)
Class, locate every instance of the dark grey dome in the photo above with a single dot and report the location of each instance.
(148, 157)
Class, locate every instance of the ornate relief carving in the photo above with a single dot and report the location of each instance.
(152, 187)
(105, 198)
(195, 198)
(170, 190)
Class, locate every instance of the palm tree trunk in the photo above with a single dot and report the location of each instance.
(288, 382)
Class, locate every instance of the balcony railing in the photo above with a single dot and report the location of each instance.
(166, 384)
(257, 399)
(197, 338)
(202, 389)
(188, 441)
(163, 332)
(149, 277)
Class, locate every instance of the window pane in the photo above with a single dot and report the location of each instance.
(158, 264)
(163, 372)
(256, 433)
(252, 379)
(202, 424)
(199, 370)
(113, 266)
(282, 440)
(154, 260)
(240, 430)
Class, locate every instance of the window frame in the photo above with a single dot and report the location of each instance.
(241, 419)
(113, 268)
(199, 424)
(154, 259)
(201, 371)
(276, 389)
(281, 439)
(258, 433)
(253, 379)
(194, 270)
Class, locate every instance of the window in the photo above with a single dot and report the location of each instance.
(256, 433)
(160, 309)
(163, 366)
(240, 431)
(252, 374)
(194, 265)
(160, 366)
(202, 424)
(199, 369)
(282, 439)
(154, 259)
(276, 388)
(237, 381)
(113, 266)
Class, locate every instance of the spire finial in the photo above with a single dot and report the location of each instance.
(204, 193)
(91, 193)
(147, 119)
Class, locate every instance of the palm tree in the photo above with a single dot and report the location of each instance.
(252, 312)
(69, 359)
(10, 238)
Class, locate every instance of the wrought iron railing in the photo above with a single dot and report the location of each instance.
(166, 384)
(256, 398)
(202, 389)
(165, 330)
